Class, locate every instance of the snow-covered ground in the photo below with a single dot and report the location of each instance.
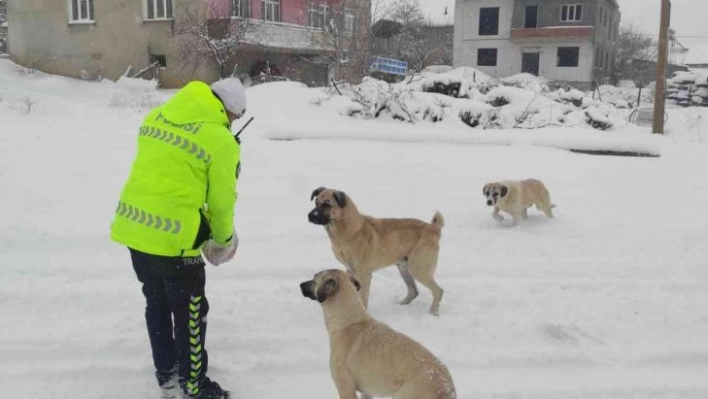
(607, 300)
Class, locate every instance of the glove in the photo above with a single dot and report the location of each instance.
(217, 253)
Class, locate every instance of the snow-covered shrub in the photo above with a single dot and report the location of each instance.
(467, 95)
(572, 96)
(498, 100)
(452, 89)
(526, 81)
(599, 118)
(470, 118)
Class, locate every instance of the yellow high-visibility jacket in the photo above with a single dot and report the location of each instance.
(182, 185)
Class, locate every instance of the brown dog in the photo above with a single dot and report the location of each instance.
(365, 244)
(514, 197)
(369, 356)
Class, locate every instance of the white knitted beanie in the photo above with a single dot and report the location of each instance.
(232, 94)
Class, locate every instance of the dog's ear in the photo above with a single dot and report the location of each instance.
(504, 190)
(327, 289)
(356, 282)
(341, 198)
(316, 192)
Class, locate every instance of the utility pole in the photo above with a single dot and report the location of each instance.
(660, 95)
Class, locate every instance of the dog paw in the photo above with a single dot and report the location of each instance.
(405, 301)
(434, 312)
(498, 218)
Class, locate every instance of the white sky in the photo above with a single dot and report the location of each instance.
(688, 19)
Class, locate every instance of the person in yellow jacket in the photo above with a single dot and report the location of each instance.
(177, 206)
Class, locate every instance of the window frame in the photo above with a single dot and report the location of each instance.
(496, 31)
(324, 14)
(491, 50)
(313, 15)
(75, 15)
(558, 57)
(577, 9)
(271, 10)
(168, 11)
(161, 59)
(349, 19)
(317, 15)
(240, 8)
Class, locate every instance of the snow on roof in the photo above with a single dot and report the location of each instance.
(697, 52)
(565, 27)
(284, 36)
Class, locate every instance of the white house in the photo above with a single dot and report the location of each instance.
(569, 41)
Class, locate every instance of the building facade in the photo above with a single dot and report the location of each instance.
(3, 26)
(93, 38)
(560, 40)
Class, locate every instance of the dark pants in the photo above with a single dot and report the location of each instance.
(174, 290)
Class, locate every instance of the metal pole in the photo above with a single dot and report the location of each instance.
(659, 96)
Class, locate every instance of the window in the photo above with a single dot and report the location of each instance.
(531, 17)
(271, 10)
(324, 14)
(317, 14)
(489, 21)
(239, 8)
(349, 20)
(572, 13)
(160, 59)
(313, 12)
(487, 57)
(82, 11)
(568, 56)
(159, 9)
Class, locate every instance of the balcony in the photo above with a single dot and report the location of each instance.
(285, 37)
(552, 32)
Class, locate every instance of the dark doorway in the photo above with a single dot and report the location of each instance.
(530, 63)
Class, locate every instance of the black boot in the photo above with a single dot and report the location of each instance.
(208, 389)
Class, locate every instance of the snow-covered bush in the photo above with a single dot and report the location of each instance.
(470, 97)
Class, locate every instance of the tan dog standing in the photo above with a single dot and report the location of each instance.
(368, 356)
(365, 244)
(515, 197)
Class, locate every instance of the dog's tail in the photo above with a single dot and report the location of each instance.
(438, 221)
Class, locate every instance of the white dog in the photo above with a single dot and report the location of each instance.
(515, 197)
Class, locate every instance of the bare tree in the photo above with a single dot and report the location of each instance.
(633, 44)
(208, 33)
(342, 29)
(411, 43)
(399, 33)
